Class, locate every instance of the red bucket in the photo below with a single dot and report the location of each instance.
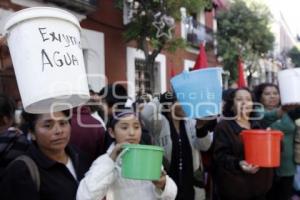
(262, 147)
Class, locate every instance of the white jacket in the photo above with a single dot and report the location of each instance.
(104, 179)
(159, 128)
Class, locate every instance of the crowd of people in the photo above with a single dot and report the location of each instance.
(73, 154)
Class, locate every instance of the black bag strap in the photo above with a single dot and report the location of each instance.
(33, 169)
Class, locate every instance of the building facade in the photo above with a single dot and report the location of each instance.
(284, 41)
(108, 58)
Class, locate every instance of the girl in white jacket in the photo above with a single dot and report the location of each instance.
(104, 178)
(182, 140)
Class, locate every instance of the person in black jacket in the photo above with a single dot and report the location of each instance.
(234, 177)
(13, 142)
(60, 167)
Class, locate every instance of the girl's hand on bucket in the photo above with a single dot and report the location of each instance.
(248, 168)
(161, 183)
(116, 151)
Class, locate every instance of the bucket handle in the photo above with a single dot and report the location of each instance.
(281, 146)
(118, 159)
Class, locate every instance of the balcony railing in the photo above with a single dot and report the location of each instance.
(80, 6)
(197, 32)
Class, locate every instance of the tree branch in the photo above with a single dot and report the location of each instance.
(145, 47)
(156, 51)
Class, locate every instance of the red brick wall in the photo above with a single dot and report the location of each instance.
(7, 4)
(209, 17)
(109, 20)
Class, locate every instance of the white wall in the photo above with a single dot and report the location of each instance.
(188, 64)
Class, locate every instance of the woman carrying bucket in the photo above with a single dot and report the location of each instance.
(283, 119)
(182, 140)
(235, 178)
(55, 167)
(104, 178)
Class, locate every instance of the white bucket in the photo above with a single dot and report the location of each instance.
(289, 81)
(44, 44)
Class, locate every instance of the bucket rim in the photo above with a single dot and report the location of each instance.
(208, 69)
(142, 146)
(261, 131)
(39, 12)
(286, 72)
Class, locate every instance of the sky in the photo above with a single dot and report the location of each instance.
(290, 9)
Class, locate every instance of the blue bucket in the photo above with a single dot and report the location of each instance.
(199, 92)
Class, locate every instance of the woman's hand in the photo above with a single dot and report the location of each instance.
(204, 121)
(201, 123)
(248, 168)
(162, 181)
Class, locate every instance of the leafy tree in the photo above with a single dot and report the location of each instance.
(244, 31)
(294, 54)
(153, 22)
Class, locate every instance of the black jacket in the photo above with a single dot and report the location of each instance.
(228, 150)
(12, 144)
(57, 183)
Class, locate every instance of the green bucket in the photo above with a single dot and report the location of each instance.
(141, 162)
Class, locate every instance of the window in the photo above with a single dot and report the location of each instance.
(195, 31)
(81, 6)
(193, 28)
(145, 78)
(127, 12)
(141, 78)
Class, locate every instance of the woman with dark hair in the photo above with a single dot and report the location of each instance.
(12, 141)
(280, 118)
(60, 167)
(234, 177)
